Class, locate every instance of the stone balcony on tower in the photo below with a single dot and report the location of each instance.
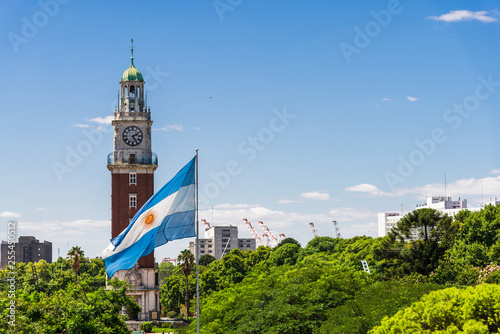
(116, 159)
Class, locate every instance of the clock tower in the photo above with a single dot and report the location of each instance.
(132, 165)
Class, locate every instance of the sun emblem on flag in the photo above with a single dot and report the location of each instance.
(149, 219)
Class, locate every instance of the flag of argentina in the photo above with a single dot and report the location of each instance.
(167, 215)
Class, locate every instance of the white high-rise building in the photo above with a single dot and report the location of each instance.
(387, 220)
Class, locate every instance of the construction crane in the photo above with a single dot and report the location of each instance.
(207, 224)
(252, 231)
(337, 230)
(268, 231)
(282, 236)
(265, 236)
(315, 231)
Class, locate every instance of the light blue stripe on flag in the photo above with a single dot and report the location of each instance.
(168, 215)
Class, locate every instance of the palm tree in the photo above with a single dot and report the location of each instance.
(187, 260)
(76, 253)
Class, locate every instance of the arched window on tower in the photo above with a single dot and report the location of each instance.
(132, 91)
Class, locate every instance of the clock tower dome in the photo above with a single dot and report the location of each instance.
(132, 163)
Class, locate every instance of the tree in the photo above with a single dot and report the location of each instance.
(165, 269)
(281, 299)
(76, 254)
(206, 259)
(371, 304)
(319, 245)
(418, 241)
(452, 310)
(481, 226)
(186, 258)
(286, 254)
(63, 306)
(287, 241)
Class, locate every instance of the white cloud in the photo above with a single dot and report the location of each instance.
(87, 224)
(9, 214)
(464, 15)
(76, 125)
(289, 201)
(321, 195)
(44, 211)
(228, 206)
(102, 120)
(487, 186)
(196, 128)
(495, 171)
(349, 214)
(366, 188)
(386, 99)
(88, 234)
(176, 127)
(412, 99)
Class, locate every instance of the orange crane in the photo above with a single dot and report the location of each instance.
(252, 230)
(268, 231)
(266, 237)
(207, 224)
(315, 231)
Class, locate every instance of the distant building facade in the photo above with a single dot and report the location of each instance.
(27, 249)
(387, 220)
(219, 240)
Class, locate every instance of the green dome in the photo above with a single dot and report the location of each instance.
(132, 74)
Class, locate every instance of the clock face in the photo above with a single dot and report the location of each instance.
(132, 136)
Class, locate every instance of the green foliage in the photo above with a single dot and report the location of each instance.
(287, 241)
(206, 259)
(147, 327)
(186, 260)
(371, 304)
(286, 254)
(451, 310)
(417, 243)
(319, 245)
(76, 255)
(480, 227)
(281, 299)
(63, 306)
(165, 269)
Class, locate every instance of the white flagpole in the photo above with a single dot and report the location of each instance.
(197, 250)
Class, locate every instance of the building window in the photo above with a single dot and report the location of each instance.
(132, 178)
(225, 240)
(210, 251)
(132, 200)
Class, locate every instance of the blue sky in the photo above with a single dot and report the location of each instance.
(383, 99)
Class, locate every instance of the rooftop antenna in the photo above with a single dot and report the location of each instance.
(445, 186)
(482, 198)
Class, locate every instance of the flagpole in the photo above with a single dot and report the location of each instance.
(197, 249)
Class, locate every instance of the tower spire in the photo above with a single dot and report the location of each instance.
(132, 51)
